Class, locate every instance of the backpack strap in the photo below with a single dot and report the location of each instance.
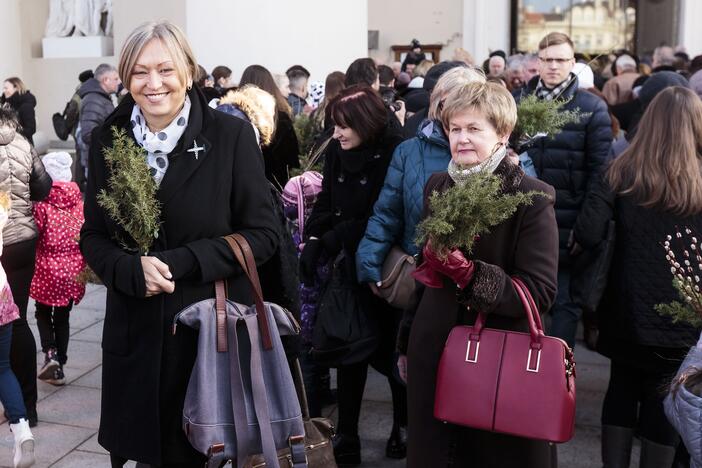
(300, 207)
(242, 251)
(260, 396)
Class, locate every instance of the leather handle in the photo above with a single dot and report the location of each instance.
(243, 254)
(221, 308)
(532, 313)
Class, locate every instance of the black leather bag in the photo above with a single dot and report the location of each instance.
(345, 331)
(590, 272)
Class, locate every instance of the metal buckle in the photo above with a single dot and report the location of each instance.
(538, 361)
(477, 350)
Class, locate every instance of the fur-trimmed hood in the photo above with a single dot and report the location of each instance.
(259, 108)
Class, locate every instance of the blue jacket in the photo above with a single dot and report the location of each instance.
(684, 409)
(399, 207)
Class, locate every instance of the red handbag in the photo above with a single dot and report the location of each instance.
(515, 383)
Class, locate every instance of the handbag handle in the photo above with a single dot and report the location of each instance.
(535, 327)
(242, 252)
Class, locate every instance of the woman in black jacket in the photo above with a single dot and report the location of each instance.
(653, 189)
(283, 152)
(209, 173)
(23, 102)
(355, 163)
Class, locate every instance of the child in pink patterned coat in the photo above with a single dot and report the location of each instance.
(10, 392)
(58, 261)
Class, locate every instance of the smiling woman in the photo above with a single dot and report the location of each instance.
(208, 168)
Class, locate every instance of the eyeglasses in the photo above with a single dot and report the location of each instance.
(557, 61)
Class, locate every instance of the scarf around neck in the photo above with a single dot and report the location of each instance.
(461, 174)
(159, 145)
(549, 94)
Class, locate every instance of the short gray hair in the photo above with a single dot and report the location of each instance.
(664, 55)
(515, 62)
(103, 69)
(625, 62)
(450, 80)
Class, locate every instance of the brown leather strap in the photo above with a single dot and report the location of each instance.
(242, 251)
(221, 307)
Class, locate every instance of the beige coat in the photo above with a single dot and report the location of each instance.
(22, 174)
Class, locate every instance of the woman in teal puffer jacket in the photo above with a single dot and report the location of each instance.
(399, 207)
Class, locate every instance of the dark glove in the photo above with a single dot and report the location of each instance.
(455, 266)
(309, 259)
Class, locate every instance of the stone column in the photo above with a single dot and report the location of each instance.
(689, 31)
(486, 27)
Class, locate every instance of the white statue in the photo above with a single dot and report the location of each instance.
(81, 17)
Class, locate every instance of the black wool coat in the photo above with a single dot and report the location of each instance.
(24, 105)
(639, 276)
(351, 185)
(525, 245)
(145, 367)
(283, 153)
(568, 161)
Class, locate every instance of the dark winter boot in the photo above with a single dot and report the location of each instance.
(616, 446)
(655, 455)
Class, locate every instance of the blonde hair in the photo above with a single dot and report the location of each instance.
(422, 68)
(491, 99)
(462, 55)
(5, 200)
(171, 37)
(259, 107)
(662, 168)
(17, 83)
(450, 80)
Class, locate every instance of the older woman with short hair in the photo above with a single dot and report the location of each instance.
(209, 171)
(478, 118)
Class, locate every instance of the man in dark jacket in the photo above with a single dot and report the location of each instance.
(96, 104)
(568, 160)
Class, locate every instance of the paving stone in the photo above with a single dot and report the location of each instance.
(53, 442)
(92, 379)
(93, 333)
(78, 458)
(91, 445)
(72, 405)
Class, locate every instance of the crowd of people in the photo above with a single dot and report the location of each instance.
(329, 180)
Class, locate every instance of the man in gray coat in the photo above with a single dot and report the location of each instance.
(96, 104)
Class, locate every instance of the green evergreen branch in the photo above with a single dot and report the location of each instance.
(468, 210)
(539, 117)
(130, 199)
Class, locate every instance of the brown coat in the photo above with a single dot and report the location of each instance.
(526, 245)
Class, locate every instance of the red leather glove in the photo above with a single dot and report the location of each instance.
(428, 276)
(455, 265)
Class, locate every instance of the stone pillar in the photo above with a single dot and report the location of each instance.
(689, 31)
(486, 27)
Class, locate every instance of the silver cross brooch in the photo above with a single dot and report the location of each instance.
(196, 149)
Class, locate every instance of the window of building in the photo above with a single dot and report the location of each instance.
(596, 26)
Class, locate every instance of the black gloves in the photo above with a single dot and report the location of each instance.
(309, 259)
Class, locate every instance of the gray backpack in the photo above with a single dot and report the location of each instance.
(241, 399)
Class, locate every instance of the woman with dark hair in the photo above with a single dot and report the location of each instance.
(23, 102)
(283, 153)
(653, 189)
(355, 163)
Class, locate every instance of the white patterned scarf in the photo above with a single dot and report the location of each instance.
(460, 174)
(159, 145)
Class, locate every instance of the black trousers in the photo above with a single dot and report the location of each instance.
(118, 462)
(18, 262)
(634, 399)
(54, 330)
(351, 379)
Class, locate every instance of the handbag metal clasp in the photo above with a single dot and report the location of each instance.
(474, 359)
(538, 361)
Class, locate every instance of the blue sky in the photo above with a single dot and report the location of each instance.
(545, 6)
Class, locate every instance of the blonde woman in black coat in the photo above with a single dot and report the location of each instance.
(211, 183)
